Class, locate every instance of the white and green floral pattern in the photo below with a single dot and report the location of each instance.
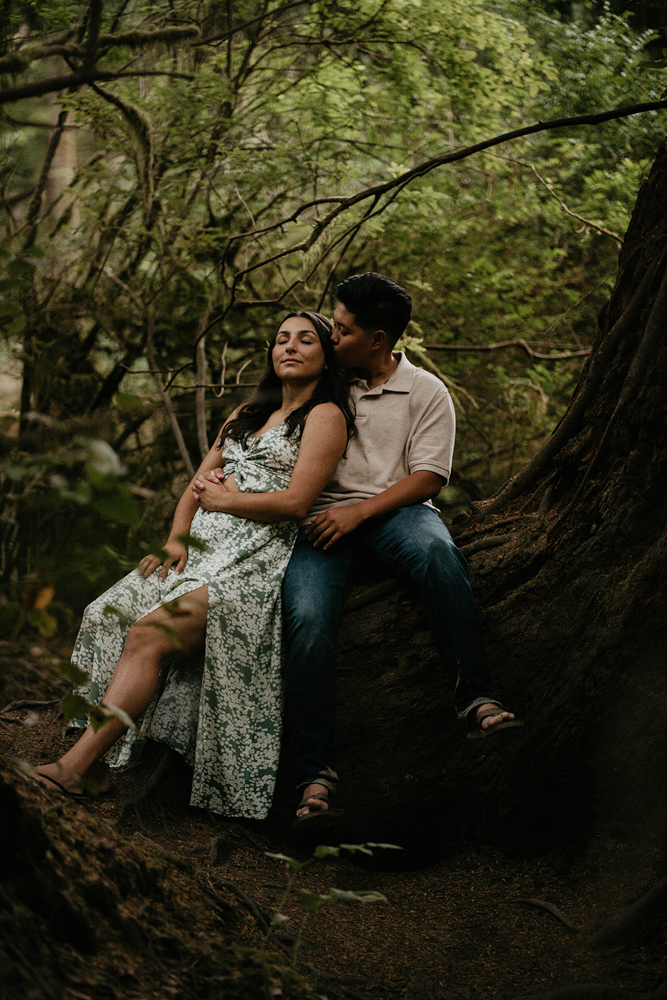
(223, 714)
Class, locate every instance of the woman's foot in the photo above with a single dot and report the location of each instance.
(95, 782)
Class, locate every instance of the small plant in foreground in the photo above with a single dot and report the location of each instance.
(311, 901)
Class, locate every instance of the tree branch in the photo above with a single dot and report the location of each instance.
(509, 343)
(36, 200)
(166, 400)
(94, 24)
(249, 24)
(200, 396)
(150, 354)
(74, 80)
(398, 183)
(553, 193)
(424, 168)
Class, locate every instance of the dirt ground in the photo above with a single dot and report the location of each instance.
(458, 928)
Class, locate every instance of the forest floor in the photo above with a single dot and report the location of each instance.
(454, 929)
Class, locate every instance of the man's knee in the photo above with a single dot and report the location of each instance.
(313, 591)
(306, 617)
(432, 548)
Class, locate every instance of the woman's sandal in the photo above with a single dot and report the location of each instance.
(477, 732)
(318, 816)
(61, 788)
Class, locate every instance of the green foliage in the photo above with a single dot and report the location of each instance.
(214, 202)
(311, 902)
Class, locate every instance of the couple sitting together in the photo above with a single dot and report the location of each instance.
(334, 461)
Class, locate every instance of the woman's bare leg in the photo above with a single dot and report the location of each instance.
(149, 643)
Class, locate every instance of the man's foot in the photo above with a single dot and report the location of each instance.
(487, 721)
(315, 812)
(315, 799)
(489, 718)
(53, 776)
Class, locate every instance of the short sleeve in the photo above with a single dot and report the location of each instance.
(431, 443)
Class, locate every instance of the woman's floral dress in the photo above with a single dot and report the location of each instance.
(223, 714)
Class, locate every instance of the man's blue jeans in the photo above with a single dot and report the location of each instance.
(417, 543)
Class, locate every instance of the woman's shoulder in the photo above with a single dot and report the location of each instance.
(325, 413)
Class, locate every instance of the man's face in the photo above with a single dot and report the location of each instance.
(353, 346)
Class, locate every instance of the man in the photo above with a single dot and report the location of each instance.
(378, 502)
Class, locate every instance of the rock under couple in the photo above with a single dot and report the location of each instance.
(335, 460)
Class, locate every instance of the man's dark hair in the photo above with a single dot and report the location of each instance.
(377, 302)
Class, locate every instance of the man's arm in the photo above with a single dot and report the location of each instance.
(325, 530)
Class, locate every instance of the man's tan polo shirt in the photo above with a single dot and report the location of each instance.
(405, 425)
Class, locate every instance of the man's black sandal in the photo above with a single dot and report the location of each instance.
(477, 732)
(318, 816)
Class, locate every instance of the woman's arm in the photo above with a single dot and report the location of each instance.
(322, 446)
(177, 552)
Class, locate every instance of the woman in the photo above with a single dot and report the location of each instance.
(224, 601)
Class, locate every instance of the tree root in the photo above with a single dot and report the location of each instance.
(596, 991)
(464, 532)
(634, 919)
(550, 908)
(14, 706)
(253, 908)
(141, 797)
(492, 542)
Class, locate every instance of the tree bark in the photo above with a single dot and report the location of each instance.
(572, 597)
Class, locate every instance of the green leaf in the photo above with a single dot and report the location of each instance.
(311, 901)
(74, 674)
(193, 542)
(356, 848)
(292, 862)
(74, 706)
(362, 896)
(44, 622)
(322, 851)
(118, 506)
(128, 402)
(385, 847)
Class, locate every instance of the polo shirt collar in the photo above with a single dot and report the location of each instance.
(399, 381)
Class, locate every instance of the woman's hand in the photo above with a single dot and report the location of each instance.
(176, 558)
(209, 492)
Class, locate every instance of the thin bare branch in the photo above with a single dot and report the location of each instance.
(424, 168)
(249, 24)
(503, 344)
(166, 399)
(200, 397)
(150, 354)
(36, 200)
(568, 211)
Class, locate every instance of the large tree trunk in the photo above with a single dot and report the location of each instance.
(572, 602)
